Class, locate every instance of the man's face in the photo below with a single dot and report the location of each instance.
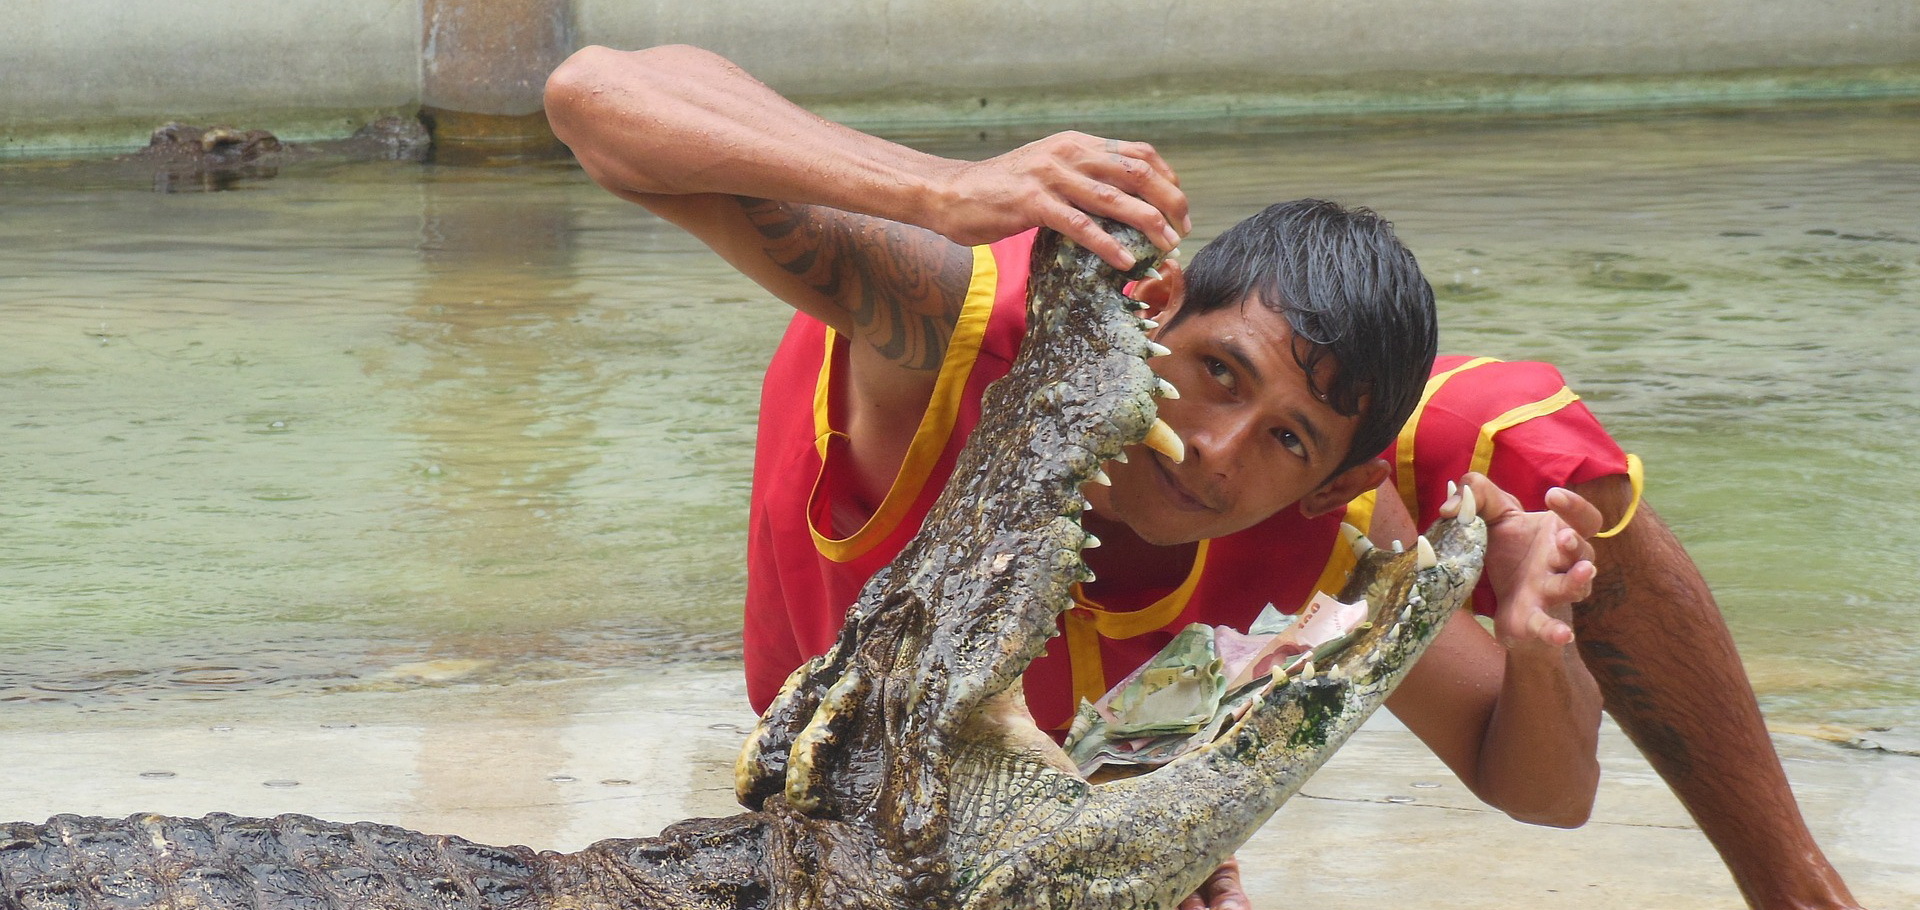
(1257, 439)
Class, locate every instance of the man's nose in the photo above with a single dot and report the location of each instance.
(1220, 441)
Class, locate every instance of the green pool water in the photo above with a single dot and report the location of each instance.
(369, 425)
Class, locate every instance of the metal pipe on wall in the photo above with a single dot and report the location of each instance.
(482, 66)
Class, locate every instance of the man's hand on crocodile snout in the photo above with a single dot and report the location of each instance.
(1221, 890)
(1539, 563)
(1060, 182)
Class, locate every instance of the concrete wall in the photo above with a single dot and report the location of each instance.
(907, 63)
(94, 72)
(852, 47)
(77, 73)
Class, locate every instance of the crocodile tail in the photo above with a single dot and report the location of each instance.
(293, 862)
(227, 861)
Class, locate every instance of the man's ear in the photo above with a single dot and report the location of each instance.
(1341, 488)
(1164, 294)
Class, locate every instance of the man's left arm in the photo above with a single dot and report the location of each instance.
(1516, 714)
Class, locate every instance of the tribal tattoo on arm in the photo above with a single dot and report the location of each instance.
(903, 286)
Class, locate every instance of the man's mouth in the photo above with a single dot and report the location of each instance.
(1177, 492)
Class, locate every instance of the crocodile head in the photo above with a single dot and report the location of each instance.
(902, 768)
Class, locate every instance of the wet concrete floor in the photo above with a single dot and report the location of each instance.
(559, 765)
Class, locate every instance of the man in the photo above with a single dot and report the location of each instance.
(871, 240)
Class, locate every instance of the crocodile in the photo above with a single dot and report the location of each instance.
(900, 769)
(180, 157)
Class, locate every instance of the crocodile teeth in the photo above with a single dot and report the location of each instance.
(1146, 323)
(1356, 538)
(1090, 542)
(1120, 456)
(1153, 273)
(1306, 671)
(1460, 504)
(1167, 390)
(1162, 439)
(1399, 547)
(1100, 477)
(1156, 349)
(1423, 549)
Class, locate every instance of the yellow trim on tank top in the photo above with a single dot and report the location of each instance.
(1483, 447)
(1087, 623)
(1637, 476)
(1340, 559)
(936, 425)
(1405, 480)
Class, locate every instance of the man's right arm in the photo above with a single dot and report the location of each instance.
(680, 121)
(867, 236)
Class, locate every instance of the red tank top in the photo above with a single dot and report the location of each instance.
(801, 578)
(1516, 422)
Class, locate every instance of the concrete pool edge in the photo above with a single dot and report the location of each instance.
(561, 764)
(1373, 95)
(1135, 103)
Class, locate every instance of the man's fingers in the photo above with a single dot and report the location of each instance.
(1150, 179)
(1547, 629)
(1084, 231)
(1580, 578)
(1062, 180)
(1573, 546)
(1492, 503)
(1147, 153)
(1568, 586)
(1575, 510)
(1072, 218)
(1538, 629)
(1126, 181)
(1532, 620)
(1114, 195)
(1222, 890)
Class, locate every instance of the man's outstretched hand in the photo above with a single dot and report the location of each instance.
(1540, 563)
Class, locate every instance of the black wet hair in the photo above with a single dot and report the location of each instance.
(1350, 289)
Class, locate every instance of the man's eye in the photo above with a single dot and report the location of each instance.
(1291, 442)
(1218, 370)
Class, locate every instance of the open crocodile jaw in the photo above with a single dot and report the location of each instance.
(916, 713)
(900, 769)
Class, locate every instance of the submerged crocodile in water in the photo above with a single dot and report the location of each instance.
(901, 768)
